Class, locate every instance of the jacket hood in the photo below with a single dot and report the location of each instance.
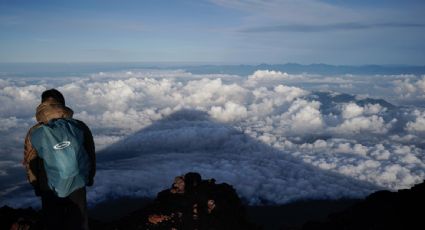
(51, 109)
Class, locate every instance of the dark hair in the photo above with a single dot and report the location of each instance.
(53, 93)
(191, 181)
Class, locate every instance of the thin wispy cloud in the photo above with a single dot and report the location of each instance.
(302, 10)
(217, 31)
(305, 28)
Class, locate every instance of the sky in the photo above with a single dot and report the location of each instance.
(214, 31)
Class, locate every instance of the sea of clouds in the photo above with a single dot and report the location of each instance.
(276, 137)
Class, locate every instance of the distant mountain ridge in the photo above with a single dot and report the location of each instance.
(294, 68)
(81, 69)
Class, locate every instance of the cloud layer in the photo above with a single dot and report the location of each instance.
(276, 137)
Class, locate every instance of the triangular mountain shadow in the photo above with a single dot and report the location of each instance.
(189, 140)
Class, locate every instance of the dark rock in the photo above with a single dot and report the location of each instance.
(380, 210)
(191, 203)
(27, 218)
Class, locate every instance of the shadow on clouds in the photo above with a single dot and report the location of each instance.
(189, 140)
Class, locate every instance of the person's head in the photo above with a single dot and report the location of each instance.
(192, 180)
(178, 185)
(53, 93)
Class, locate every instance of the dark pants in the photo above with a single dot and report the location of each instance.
(65, 213)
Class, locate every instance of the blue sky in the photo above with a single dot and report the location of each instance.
(214, 31)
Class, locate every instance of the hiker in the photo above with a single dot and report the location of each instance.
(193, 203)
(59, 159)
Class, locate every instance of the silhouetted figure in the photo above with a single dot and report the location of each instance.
(59, 158)
(193, 203)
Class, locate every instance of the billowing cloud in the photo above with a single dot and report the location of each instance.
(7, 123)
(351, 110)
(267, 75)
(410, 87)
(230, 112)
(274, 136)
(304, 117)
(356, 125)
(418, 125)
(17, 99)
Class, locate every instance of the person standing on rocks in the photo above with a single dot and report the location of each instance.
(59, 159)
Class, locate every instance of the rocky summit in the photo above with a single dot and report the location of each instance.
(190, 203)
(195, 203)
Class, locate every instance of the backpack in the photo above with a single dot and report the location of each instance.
(60, 143)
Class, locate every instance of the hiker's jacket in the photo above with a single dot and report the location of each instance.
(36, 175)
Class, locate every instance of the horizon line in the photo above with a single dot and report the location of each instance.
(213, 63)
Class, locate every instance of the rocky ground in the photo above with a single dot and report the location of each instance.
(193, 203)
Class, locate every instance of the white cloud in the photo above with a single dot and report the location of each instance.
(410, 87)
(268, 75)
(374, 109)
(103, 141)
(230, 112)
(7, 123)
(379, 152)
(233, 126)
(212, 92)
(421, 84)
(288, 93)
(351, 110)
(267, 101)
(418, 125)
(304, 117)
(404, 88)
(356, 125)
(21, 100)
(3, 83)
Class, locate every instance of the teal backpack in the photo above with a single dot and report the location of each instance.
(60, 143)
